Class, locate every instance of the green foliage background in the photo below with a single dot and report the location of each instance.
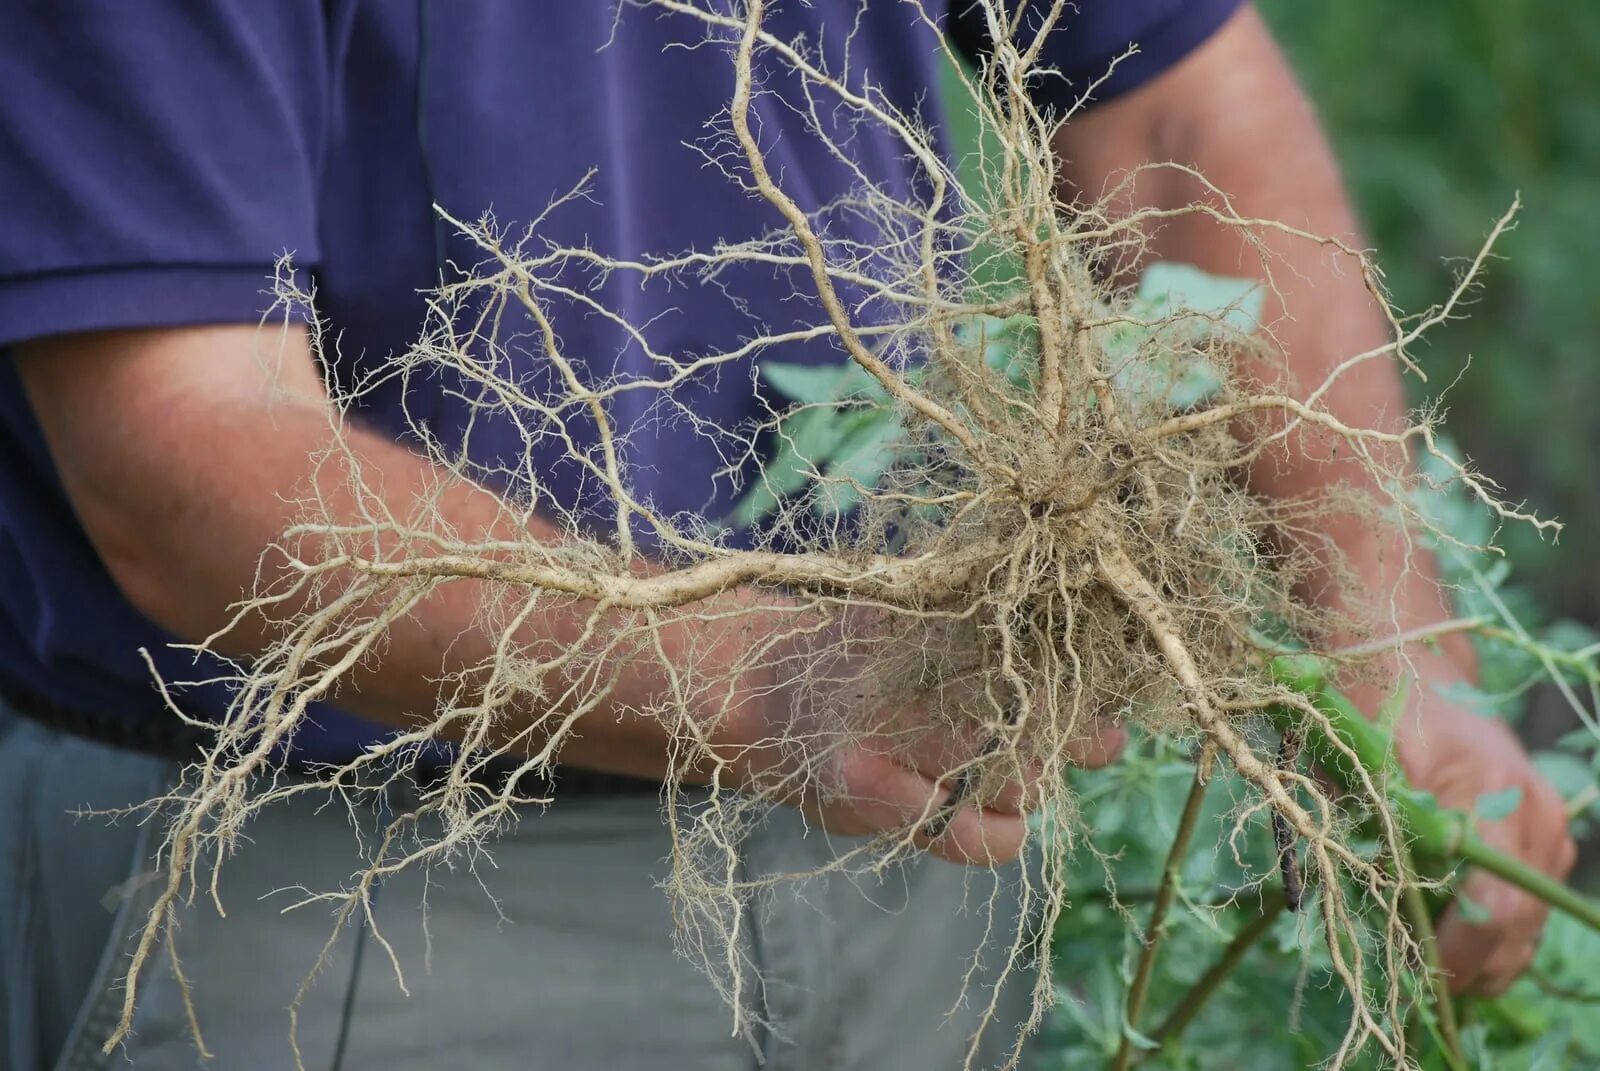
(1441, 111)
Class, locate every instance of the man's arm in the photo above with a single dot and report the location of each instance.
(200, 444)
(1234, 112)
(184, 451)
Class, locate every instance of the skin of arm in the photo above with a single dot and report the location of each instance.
(1234, 112)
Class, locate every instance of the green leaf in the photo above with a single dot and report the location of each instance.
(1196, 382)
(801, 435)
(863, 457)
(1472, 911)
(1008, 345)
(766, 493)
(1569, 636)
(1140, 1041)
(1158, 364)
(1568, 774)
(1495, 806)
(815, 384)
(1579, 740)
(1550, 1054)
(1168, 382)
(1174, 287)
(1466, 695)
(1391, 708)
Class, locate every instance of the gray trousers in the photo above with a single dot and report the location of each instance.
(570, 965)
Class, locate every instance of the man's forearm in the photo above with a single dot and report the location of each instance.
(197, 466)
(1234, 113)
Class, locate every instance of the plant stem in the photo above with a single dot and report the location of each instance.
(1529, 880)
(1444, 1007)
(1195, 999)
(1165, 893)
(1555, 989)
(1404, 639)
(1582, 801)
(1436, 832)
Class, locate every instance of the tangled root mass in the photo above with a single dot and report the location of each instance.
(1039, 548)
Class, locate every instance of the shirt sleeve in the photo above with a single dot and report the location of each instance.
(156, 158)
(1091, 43)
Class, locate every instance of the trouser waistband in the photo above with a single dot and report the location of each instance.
(164, 735)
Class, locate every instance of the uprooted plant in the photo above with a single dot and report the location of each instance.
(1023, 539)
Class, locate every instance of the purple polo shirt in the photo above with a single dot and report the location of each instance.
(156, 157)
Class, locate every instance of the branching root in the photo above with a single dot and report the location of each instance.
(1048, 544)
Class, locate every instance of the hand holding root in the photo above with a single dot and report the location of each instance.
(1461, 757)
(902, 770)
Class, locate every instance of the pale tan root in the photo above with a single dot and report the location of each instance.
(1037, 560)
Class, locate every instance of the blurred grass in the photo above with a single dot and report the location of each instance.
(1441, 111)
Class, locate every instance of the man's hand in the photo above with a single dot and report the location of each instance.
(819, 731)
(1460, 756)
(867, 791)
